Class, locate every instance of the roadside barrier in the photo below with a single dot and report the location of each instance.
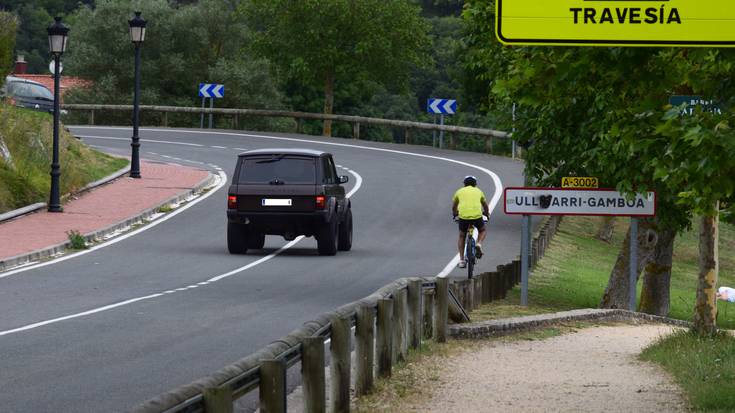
(388, 323)
(299, 117)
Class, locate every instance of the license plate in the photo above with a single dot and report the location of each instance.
(275, 202)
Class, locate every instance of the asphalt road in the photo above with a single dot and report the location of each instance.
(173, 330)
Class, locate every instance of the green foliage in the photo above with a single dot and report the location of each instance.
(313, 41)
(184, 46)
(603, 112)
(703, 366)
(76, 240)
(8, 26)
(25, 180)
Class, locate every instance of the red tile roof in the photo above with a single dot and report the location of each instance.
(67, 82)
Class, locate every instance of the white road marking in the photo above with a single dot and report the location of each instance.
(221, 181)
(142, 140)
(453, 262)
(358, 184)
(218, 147)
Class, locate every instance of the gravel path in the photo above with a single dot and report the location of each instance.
(591, 370)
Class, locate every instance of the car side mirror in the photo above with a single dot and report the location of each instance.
(343, 179)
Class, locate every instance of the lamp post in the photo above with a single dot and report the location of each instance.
(137, 36)
(57, 39)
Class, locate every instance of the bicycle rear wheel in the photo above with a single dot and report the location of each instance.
(470, 255)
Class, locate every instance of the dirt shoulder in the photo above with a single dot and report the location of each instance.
(592, 369)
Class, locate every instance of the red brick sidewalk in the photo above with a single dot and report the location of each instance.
(99, 208)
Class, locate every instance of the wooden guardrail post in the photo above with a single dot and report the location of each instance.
(217, 399)
(489, 144)
(516, 272)
(477, 293)
(312, 374)
(452, 140)
(91, 117)
(299, 125)
(407, 136)
(384, 337)
(236, 121)
(356, 130)
(364, 337)
(164, 119)
(339, 366)
(400, 348)
(273, 386)
(414, 313)
(428, 314)
(441, 311)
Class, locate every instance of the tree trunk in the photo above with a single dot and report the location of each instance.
(655, 291)
(605, 233)
(328, 102)
(705, 310)
(616, 293)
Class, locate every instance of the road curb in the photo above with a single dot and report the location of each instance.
(102, 234)
(41, 205)
(501, 327)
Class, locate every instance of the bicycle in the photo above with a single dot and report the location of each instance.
(470, 249)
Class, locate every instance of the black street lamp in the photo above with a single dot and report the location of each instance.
(57, 39)
(137, 36)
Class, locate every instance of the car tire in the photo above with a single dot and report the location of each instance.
(237, 236)
(344, 242)
(256, 240)
(326, 240)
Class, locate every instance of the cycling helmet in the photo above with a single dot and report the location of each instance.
(470, 180)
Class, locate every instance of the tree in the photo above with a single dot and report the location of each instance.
(184, 46)
(602, 111)
(8, 24)
(330, 42)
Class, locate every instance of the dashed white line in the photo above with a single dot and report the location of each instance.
(218, 147)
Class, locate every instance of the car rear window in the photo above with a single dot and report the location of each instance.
(285, 169)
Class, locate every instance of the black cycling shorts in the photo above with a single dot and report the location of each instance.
(464, 224)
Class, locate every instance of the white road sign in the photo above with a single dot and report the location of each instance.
(567, 201)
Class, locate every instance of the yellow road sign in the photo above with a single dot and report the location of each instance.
(579, 182)
(616, 22)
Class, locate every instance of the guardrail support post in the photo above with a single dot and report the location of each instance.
(384, 337)
(339, 366)
(165, 119)
(91, 117)
(400, 347)
(299, 125)
(407, 136)
(452, 140)
(273, 386)
(441, 312)
(428, 314)
(365, 335)
(414, 312)
(356, 130)
(489, 144)
(217, 400)
(312, 373)
(236, 120)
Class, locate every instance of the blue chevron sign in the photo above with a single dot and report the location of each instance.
(442, 106)
(211, 90)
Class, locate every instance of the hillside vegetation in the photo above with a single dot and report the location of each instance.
(25, 159)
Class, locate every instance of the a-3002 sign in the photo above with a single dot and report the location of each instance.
(579, 182)
(565, 201)
(616, 22)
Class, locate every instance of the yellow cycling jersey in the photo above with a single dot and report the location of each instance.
(470, 202)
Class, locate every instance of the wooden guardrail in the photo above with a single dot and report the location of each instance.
(355, 121)
(388, 323)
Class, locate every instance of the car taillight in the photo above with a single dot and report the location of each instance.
(321, 202)
(232, 202)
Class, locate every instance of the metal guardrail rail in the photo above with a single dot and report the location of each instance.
(355, 121)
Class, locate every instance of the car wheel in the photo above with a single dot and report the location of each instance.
(344, 242)
(256, 240)
(327, 238)
(236, 238)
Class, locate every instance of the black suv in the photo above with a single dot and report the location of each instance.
(288, 192)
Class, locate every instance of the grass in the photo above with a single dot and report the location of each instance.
(575, 270)
(24, 178)
(703, 367)
(77, 240)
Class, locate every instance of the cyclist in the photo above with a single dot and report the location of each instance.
(468, 207)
